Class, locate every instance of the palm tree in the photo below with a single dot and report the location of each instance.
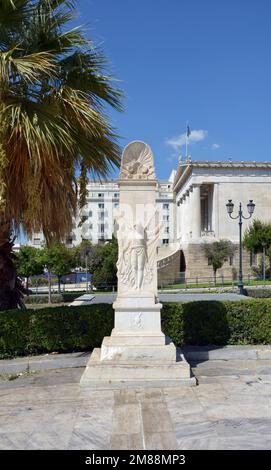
(53, 127)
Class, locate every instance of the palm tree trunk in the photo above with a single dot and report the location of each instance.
(11, 289)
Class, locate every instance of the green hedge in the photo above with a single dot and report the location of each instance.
(43, 299)
(67, 329)
(218, 323)
(258, 292)
(62, 329)
(66, 297)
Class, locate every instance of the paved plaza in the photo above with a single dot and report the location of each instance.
(228, 409)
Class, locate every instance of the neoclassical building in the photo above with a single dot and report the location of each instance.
(202, 189)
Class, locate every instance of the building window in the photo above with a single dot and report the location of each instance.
(101, 206)
(166, 206)
(36, 241)
(165, 241)
(231, 260)
(116, 205)
(100, 194)
(116, 195)
(165, 218)
(166, 229)
(209, 261)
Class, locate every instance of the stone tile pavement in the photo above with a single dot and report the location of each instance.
(229, 409)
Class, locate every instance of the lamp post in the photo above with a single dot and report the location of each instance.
(264, 247)
(240, 216)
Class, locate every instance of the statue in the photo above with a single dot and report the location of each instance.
(137, 252)
(137, 349)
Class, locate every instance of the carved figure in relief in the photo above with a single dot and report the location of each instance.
(137, 253)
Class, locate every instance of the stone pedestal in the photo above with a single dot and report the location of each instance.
(137, 352)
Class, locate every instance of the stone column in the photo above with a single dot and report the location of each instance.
(184, 219)
(195, 213)
(215, 218)
(179, 220)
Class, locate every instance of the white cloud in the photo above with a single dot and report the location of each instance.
(180, 140)
(215, 146)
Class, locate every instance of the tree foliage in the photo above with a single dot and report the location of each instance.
(101, 260)
(105, 267)
(257, 236)
(59, 260)
(54, 86)
(29, 262)
(217, 252)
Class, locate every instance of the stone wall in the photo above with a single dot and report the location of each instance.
(197, 264)
(171, 272)
(197, 268)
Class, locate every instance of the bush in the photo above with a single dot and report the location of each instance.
(61, 329)
(43, 299)
(259, 293)
(68, 329)
(218, 323)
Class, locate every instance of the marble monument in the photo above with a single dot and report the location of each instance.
(137, 350)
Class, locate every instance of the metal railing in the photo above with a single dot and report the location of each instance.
(210, 282)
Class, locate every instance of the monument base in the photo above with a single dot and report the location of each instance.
(137, 353)
(156, 367)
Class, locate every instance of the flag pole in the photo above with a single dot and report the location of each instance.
(186, 141)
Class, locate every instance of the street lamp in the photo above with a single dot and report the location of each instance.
(240, 216)
(264, 247)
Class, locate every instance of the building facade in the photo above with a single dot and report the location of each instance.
(192, 207)
(98, 217)
(202, 190)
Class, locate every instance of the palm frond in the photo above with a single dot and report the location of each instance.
(53, 87)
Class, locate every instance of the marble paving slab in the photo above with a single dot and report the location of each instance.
(48, 410)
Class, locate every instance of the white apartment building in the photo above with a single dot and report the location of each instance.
(99, 214)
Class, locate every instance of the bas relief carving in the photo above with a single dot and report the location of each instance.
(137, 162)
(137, 253)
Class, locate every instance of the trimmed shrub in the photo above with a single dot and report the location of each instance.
(68, 329)
(43, 299)
(259, 293)
(218, 323)
(61, 329)
(14, 333)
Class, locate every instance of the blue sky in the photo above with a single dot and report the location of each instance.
(205, 61)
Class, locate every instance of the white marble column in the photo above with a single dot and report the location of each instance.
(195, 213)
(185, 221)
(215, 219)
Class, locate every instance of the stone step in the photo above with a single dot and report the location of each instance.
(111, 374)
